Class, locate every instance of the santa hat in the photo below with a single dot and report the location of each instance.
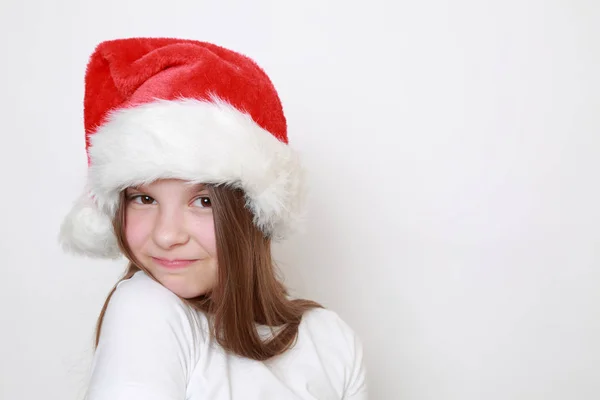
(170, 108)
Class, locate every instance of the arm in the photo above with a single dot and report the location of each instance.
(146, 349)
(356, 388)
(351, 356)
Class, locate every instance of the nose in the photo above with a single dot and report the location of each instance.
(169, 229)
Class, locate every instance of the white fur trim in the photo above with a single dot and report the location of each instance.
(200, 142)
(86, 230)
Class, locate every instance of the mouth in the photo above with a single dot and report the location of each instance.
(173, 264)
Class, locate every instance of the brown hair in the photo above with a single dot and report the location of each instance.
(248, 291)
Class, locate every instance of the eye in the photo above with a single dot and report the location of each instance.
(202, 201)
(142, 199)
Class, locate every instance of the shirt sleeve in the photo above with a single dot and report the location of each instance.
(147, 346)
(357, 384)
(355, 387)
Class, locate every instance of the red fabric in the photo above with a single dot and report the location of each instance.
(128, 72)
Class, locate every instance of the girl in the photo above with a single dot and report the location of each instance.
(191, 178)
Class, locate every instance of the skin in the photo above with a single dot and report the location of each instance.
(171, 219)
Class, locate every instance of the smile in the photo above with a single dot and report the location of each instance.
(173, 264)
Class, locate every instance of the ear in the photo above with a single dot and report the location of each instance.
(86, 230)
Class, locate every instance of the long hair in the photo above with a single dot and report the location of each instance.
(248, 291)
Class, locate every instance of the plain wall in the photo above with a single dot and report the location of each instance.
(453, 149)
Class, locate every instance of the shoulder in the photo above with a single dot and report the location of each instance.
(140, 302)
(328, 331)
(339, 347)
(328, 323)
(141, 289)
(149, 343)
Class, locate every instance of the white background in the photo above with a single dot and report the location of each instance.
(453, 149)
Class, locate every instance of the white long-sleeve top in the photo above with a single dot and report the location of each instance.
(155, 347)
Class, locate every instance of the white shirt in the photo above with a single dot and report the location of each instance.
(155, 347)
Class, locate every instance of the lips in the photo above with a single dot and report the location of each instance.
(174, 263)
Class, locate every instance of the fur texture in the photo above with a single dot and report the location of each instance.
(194, 140)
(88, 231)
(125, 73)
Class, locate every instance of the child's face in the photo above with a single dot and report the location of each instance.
(169, 228)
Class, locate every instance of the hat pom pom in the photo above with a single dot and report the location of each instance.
(86, 230)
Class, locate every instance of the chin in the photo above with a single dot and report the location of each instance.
(189, 294)
(182, 287)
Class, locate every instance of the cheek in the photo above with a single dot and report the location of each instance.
(137, 230)
(203, 231)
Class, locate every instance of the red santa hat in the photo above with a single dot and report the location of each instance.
(170, 108)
